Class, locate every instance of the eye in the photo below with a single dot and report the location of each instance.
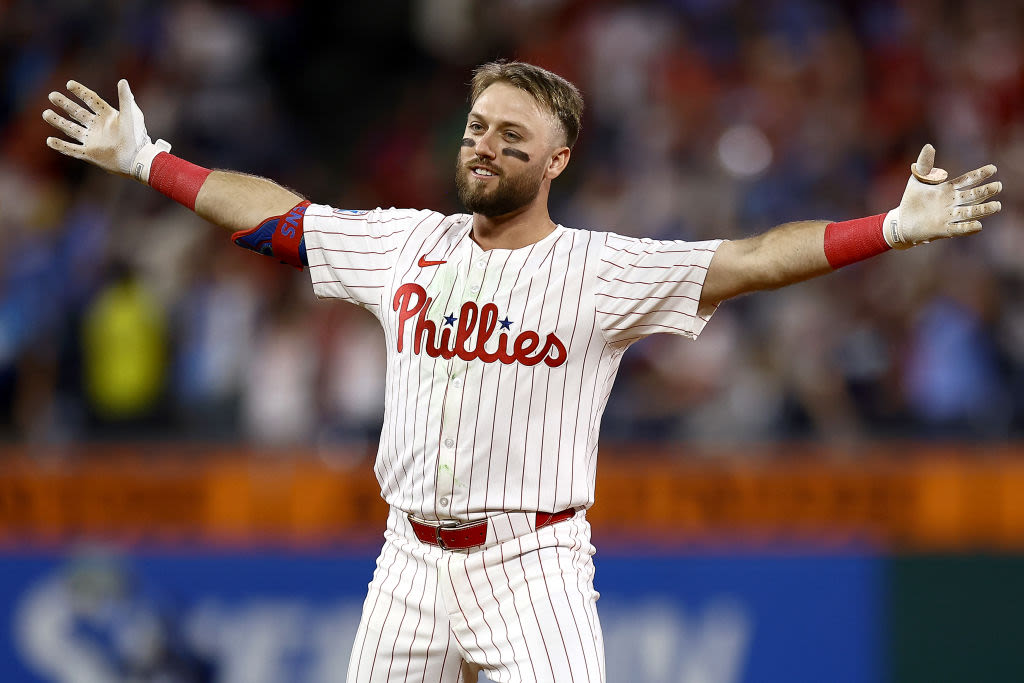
(512, 136)
(475, 127)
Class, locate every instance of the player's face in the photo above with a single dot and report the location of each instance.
(505, 153)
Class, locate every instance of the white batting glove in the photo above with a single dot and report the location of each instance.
(113, 139)
(933, 208)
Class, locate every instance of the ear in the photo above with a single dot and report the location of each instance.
(557, 162)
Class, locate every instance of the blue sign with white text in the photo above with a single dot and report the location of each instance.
(265, 618)
(743, 618)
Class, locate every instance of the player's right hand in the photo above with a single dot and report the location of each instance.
(106, 137)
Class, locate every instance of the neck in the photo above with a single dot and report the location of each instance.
(514, 230)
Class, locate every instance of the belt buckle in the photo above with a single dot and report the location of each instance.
(437, 533)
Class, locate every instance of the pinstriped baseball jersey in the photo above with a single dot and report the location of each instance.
(500, 362)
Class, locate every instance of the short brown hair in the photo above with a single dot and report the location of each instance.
(554, 93)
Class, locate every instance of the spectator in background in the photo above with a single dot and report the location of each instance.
(951, 374)
(704, 116)
(220, 306)
(124, 357)
(279, 406)
(352, 390)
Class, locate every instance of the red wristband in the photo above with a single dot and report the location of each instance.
(847, 242)
(177, 178)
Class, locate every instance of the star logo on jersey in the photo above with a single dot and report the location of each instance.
(492, 344)
(425, 263)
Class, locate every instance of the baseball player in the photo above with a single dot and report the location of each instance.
(504, 332)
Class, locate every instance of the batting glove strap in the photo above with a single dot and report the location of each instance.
(891, 231)
(143, 162)
(279, 237)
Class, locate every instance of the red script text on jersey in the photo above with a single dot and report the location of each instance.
(412, 300)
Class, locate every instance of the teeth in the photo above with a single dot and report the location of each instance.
(482, 171)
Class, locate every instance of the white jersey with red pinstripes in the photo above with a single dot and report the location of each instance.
(500, 362)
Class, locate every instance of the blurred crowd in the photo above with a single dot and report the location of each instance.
(123, 316)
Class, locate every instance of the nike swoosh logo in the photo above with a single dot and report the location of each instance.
(424, 263)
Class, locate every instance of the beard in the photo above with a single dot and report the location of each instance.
(512, 192)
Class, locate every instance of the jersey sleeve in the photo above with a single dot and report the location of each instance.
(351, 253)
(646, 286)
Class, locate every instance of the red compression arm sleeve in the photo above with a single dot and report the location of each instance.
(177, 178)
(847, 242)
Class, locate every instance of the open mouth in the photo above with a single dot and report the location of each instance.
(483, 172)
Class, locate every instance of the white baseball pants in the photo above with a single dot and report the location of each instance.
(522, 611)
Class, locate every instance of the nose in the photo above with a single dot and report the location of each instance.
(484, 149)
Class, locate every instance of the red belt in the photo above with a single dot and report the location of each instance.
(455, 536)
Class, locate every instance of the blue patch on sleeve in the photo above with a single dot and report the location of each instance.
(258, 239)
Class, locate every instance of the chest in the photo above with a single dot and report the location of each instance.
(509, 306)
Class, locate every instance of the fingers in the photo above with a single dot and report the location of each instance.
(974, 211)
(125, 98)
(65, 147)
(926, 160)
(974, 177)
(976, 194)
(91, 99)
(924, 169)
(964, 228)
(72, 130)
(77, 113)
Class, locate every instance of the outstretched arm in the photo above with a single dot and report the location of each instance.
(116, 140)
(932, 208)
(237, 201)
(786, 254)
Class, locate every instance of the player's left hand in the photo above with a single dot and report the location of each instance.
(934, 207)
(106, 137)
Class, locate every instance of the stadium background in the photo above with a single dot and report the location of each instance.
(827, 486)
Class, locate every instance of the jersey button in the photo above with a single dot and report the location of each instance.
(457, 382)
(474, 288)
(449, 442)
(481, 264)
(443, 502)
